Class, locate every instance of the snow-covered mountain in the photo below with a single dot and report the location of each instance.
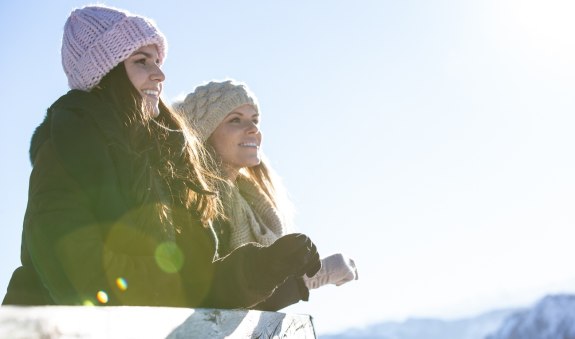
(469, 328)
(553, 317)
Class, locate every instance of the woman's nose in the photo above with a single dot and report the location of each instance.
(158, 74)
(253, 128)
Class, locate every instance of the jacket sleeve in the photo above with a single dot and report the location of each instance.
(290, 292)
(234, 281)
(239, 283)
(79, 258)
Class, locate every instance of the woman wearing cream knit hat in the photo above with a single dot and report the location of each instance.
(120, 201)
(226, 115)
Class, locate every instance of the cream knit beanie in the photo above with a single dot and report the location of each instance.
(97, 38)
(209, 104)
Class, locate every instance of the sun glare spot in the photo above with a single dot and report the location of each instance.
(122, 284)
(88, 303)
(169, 257)
(546, 26)
(102, 297)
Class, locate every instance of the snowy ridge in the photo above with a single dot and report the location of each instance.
(551, 318)
(417, 328)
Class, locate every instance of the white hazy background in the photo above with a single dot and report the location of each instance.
(431, 141)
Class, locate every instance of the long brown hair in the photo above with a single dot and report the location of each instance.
(167, 143)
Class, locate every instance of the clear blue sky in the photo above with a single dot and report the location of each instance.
(432, 141)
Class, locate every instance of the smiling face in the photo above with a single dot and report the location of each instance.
(237, 140)
(143, 69)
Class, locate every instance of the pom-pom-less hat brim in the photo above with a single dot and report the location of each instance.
(96, 39)
(209, 104)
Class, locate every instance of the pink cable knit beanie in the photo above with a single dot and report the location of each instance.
(97, 38)
(209, 104)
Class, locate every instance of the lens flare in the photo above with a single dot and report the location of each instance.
(169, 257)
(122, 284)
(102, 297)
(88, 303)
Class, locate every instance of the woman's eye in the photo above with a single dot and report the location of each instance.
(235, 120)
(141, 61)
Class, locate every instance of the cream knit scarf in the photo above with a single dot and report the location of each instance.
(252, 216)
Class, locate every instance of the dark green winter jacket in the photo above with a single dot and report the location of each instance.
(90, 238)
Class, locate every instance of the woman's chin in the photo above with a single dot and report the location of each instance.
(152, 109)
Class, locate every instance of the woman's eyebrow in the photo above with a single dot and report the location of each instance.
(242, 114)
(147, 55)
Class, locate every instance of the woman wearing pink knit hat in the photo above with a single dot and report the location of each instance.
(226, 116)
(121, 201)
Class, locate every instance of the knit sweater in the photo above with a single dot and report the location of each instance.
(253, 218)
